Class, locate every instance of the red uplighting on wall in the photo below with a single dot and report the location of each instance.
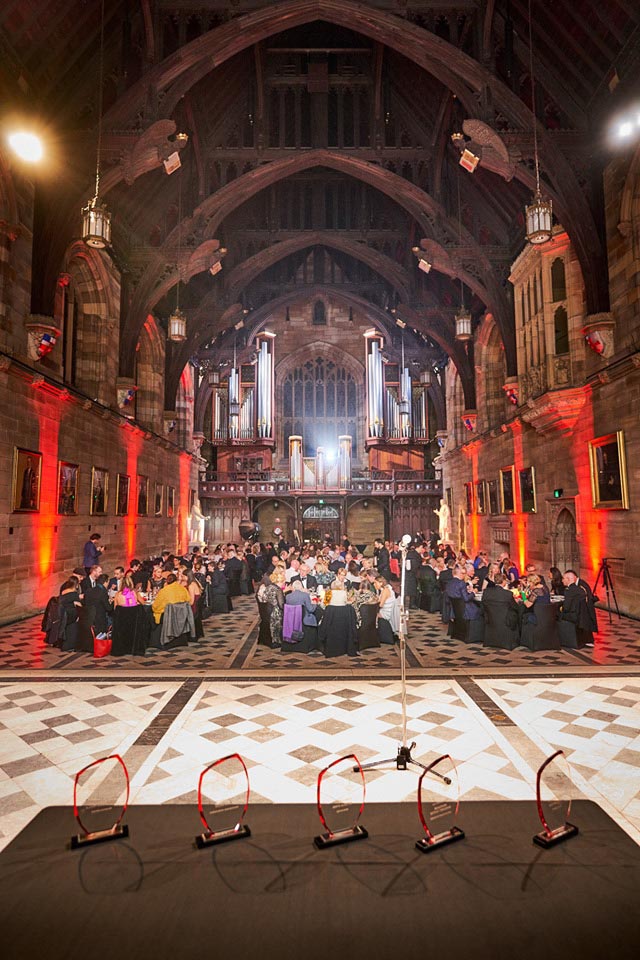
(45, 522)
(133, 444)
(592, 523)
(519, 521)
(182, 526)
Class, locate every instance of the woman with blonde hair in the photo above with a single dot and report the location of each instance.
(271, 591)
(127, 595)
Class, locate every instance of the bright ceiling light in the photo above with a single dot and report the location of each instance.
(625, 129)
(27, 146)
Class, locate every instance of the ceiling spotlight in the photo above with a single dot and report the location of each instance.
(215, 267)
(625, 129)
(457, 139)
(172, 163)
(26, 145)
(181, 138)
(424, 265)
(400, 323)
(468, 160)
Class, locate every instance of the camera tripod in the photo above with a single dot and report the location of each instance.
(403, 757)
(607, 580)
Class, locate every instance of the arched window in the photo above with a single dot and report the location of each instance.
(319, 404)
(319, 314)
(558, 281)
(561, 331)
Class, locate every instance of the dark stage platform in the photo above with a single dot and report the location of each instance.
(274, 895)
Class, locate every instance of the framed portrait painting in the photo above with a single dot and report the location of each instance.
(527, 480)
(171, 499)
(492, 489)
(481, 496)
(27, 474)
(468, 496)
(143, 496)
(99, 491)
(123, 484)
(157, 500)
(67, 488)
(507, 492)
(609, 472)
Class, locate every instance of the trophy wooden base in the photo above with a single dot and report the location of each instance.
(426, 845)
(547, 840)
(209, 839)
(100, 836)
(341, 836)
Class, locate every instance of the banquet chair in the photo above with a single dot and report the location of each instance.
(544, 634)
(368, 631)
(131, 630)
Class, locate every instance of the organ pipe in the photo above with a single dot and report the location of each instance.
(375, 388)
(344, 462)
(295, 463)
(265, 385)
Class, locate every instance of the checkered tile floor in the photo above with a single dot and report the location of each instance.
(287, 731)
(230, 644)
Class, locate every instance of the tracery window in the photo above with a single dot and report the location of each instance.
(319, 403)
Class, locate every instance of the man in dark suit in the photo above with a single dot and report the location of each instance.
(500, 598)
(232, 571)
(591, 603)
(383, 558)
(413, 562)
(304, 578)
(457, 587)
(115, 583)
(575, 609)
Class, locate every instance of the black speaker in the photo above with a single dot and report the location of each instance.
(249, 530)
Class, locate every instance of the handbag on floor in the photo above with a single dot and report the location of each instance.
(101, 644)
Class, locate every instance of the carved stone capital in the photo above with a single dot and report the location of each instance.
(555, 412)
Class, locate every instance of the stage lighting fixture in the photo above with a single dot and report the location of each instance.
(26, 146)
(172, 163)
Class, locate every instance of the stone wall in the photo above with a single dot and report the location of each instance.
(39, 549)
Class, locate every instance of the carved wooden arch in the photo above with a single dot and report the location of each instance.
(438, 57)
(216, 207)
(245, 272)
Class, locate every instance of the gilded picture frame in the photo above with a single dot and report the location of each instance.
(507, 490)
(608, 465)
(68, 482)
(123, 489)
(527, 483)
(27, 476)
(99, 500)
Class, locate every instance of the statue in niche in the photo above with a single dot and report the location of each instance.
(196, 524)
(444, 517)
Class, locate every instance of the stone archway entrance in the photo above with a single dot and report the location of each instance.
(567, 555)
(320, 522)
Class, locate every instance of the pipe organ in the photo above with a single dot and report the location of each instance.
(396, 407)
(242, 408)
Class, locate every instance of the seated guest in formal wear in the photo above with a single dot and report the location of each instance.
(115, 583)
(490, 577)
(388, 612)
(535, 593)
(502, 595)
(96, 601)
(575, 609)
(531, 570)
(298, 596)
(70, 606)
(556, 585)
(127, 595)
(353, 574)
(340, 580)
(459, 587)
(172, 592)
(305, 578)
(322, 573)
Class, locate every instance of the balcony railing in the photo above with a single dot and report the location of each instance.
(263, 485)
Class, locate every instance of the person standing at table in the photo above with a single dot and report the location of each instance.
(92, 552)
(575, 609)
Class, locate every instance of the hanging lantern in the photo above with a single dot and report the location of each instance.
(214, 378)
(463, 325)
(177, 326)
(539, 213)
(539, 216)
(96, 224)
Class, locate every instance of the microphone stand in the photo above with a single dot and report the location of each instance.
(403, 757)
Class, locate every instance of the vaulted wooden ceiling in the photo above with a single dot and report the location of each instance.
(404, 75)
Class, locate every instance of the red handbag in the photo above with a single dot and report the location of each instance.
(101, 646)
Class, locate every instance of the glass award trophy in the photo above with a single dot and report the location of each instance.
(100, 798)
(341, 792)
(223, 800)
(438, 809)
(553, 796)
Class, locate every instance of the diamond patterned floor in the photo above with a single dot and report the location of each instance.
(230, 644)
